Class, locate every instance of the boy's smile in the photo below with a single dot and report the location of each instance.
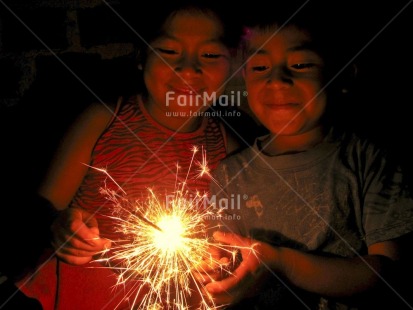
(284, 80)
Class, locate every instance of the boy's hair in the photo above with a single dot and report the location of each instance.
(331, 37)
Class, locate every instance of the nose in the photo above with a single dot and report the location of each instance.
(188, 65)
(279, 77)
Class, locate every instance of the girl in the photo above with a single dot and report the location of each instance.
(139, 143)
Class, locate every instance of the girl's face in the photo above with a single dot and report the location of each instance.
(185, 65)
(284, 80)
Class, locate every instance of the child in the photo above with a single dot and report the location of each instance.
(139, 145)
(322, 213)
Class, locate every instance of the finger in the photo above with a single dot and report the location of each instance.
(74, 260)
(211, 277)
(74, 252)
(86, 234)
(89, 220)
(230, 238)
(84, 224)
(219, 287)
(222, 299)
(72, 242)
(211, 263)
(239, 275)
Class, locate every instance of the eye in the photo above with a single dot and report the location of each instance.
(258, 64)
(303, 66)
(211, 55)
(259, 68)
(213, 51)
(166, 51)
(305, 61)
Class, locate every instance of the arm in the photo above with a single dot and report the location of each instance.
(327, 276)
(75, 232)
(66, 171)
(334, 276)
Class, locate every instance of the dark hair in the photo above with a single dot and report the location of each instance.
(149, 28)
(331, 35)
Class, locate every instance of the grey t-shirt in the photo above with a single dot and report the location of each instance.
(335, 199)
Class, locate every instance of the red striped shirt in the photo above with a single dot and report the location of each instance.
(138, 154)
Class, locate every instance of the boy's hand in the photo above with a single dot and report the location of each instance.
(76, 237)
(248, 277)
(214, 267)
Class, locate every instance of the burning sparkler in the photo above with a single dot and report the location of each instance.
(165, 245)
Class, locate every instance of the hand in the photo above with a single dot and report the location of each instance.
(216, 266)
(219, 261)
(249, 276)
(76, 236)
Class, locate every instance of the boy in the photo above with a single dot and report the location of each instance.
(323, 212)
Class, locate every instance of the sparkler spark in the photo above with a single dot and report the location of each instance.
(165, 245)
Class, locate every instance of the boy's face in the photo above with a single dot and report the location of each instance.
(284, 80)
(185, 62)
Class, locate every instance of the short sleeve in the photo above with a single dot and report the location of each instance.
(388, 205)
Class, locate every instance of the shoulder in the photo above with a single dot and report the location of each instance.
(356, 146)
(101, 110)
(372, 159)
(98, 115)
(90, 124)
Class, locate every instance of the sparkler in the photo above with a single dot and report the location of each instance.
(166, 245)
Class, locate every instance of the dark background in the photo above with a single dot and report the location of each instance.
(87, 54)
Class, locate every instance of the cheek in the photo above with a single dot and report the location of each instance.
(253, 91)
(316, 108)
(156, 67)
(314, 94)
(254, 102)
(254, 84)
(155, 76)
(311, 86)
(154, 86)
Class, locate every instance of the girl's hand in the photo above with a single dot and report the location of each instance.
(76, 237)
(248, 277)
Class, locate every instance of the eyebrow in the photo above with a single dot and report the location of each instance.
(170, 37)
(305, 46)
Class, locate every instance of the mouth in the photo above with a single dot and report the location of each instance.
(188, 90)
(281, 106)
